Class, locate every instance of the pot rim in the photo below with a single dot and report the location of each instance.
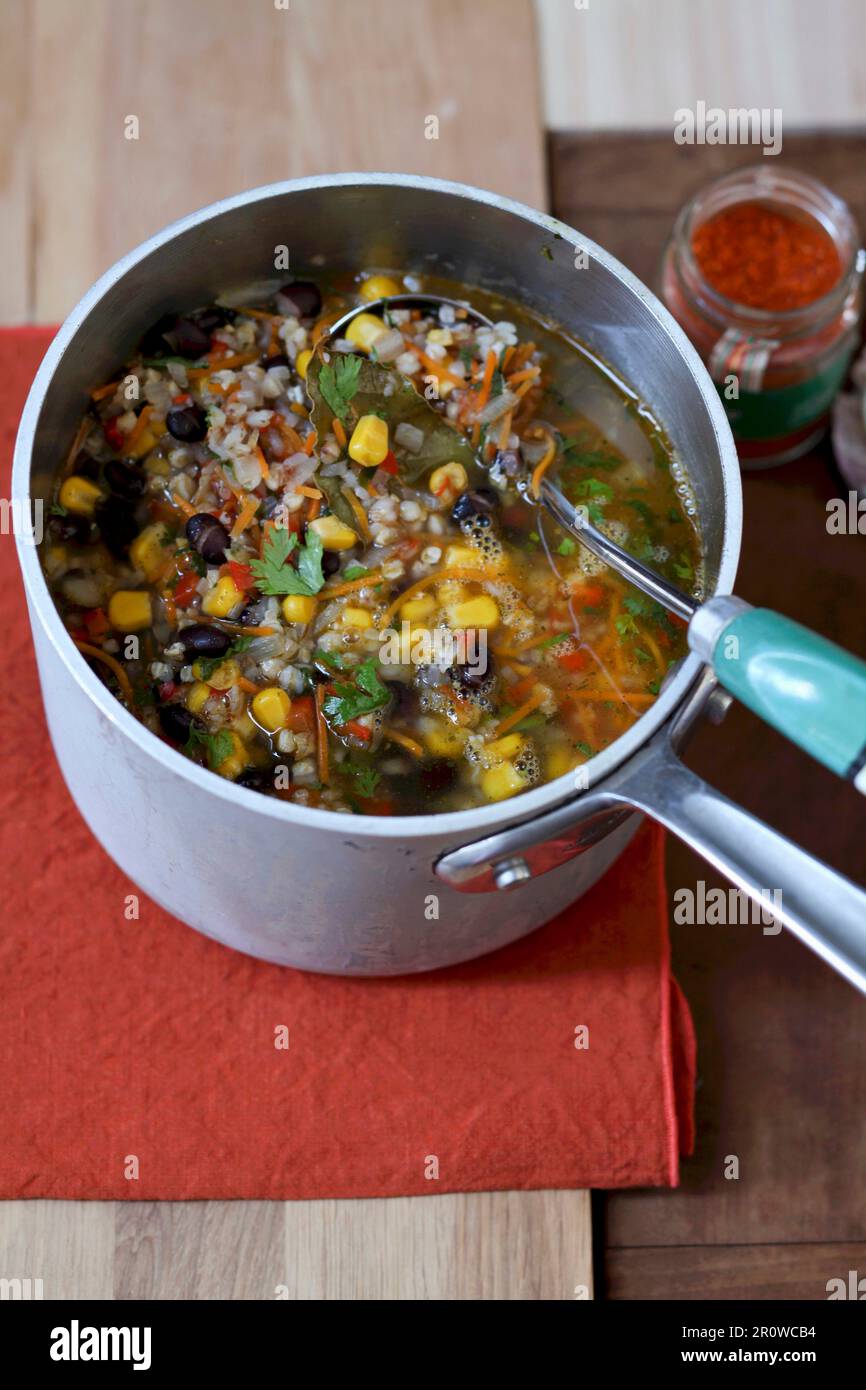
(469, 824)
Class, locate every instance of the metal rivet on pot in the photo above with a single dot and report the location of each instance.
(510, 873)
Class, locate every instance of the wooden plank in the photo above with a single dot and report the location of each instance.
(731, 1272)
(780, 1038)
(68, 1245)
(319, 87)
(17, 249)
(625, 64)
(476, 1246)
(198, 1250)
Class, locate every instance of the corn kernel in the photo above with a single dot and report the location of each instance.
(222, 599)
(302, 362)
(459, 556)
(232, 766)
(222, 677)
(501, 781)
(143, 445)
(334, 533)
(147, 551)
(474, 612)
(271, 708)
(357, 617)
(559, 761)
(363, 331)
(444, 740)
(452, 591)
(129, 610)
(443, 336)
(298, 608)
(156, 466)
(369, 443)
(415, 608)
(501, 748)
(197, 697)
(378, 287)
(448, 480)
(79, 495)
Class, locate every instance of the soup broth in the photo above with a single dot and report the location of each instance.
(307, 564)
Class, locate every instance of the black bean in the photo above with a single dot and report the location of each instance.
(187, 423)
(216, 316)
(330, 562)
(304, 297)
(189, 339)
(473, 677)
(256, 779)
(70, 528)
(86, 467)
(276, 359)
(177, 722)
(199, 639)
(270, 506)
(155, 343)
(117, 524)
(479, 501)
(124, 478)
(209, 537)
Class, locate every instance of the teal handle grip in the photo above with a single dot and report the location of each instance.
(809, 689)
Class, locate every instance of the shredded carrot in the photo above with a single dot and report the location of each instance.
(139, 427)
(249, 686)
(308, 491)
(527, 386)
(525, 375)
(258, 314)
(182, 505)
(80, 435)
(321, 737)
(102, 392)
(626, 697)
(521, 712)
(404, 741)
(115, 666)
(314, 506)
(222, 364)
(546, 460)
(457, 572)
(310, 443)
(502, 442)
(245, 516)
(339, 432)
(291, 436)
(262, 462)
(439, 369)
(352, 585)
(486, 382)
(238, 627)
(360, 515)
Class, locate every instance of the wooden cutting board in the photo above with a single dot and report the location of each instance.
(224, 97)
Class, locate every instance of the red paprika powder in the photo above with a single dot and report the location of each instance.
(763, 271)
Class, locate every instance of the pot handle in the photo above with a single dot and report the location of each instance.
(821, 907)
(826, 911)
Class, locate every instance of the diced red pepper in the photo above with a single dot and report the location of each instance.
(302, 715)
(588, 595)
(113, 434)
(356, 729)
(389, 464)
(96, 623)
(186, 590)
(166, 690)
(241, 574)
(574, 661)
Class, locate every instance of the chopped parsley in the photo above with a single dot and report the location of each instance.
(275, 576)
(552, 641)
(355, 572)
(594, 487)
(584, 748)
(217, 747)
(330, 659)
(366, 778)
(338, 382)
(365, 694)
(566, 546)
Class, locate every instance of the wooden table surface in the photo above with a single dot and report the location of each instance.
(782, 1058)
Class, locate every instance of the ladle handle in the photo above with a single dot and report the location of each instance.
(809, 689)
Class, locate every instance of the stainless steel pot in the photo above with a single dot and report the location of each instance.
(358, 894)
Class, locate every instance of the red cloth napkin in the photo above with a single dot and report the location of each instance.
(143, 1041)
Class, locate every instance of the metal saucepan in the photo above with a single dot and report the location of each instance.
(369, 895)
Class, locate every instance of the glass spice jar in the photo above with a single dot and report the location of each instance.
(779, 359)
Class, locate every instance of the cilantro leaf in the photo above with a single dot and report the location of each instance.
(217, 747)
(366, 778)
(594, 487)
(566, 546)
(355, 572)
(367, 693)
(338, 382)
(274, 576)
